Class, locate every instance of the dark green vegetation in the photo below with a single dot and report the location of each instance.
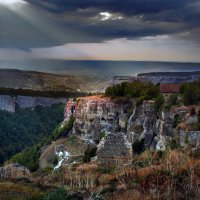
(39, 93)
(159, 101)
(63, 129)
(26, 127)
(58, 194)
(138, 146)
(134, 89)
(191, 92)
(89, 153)
(30, 156)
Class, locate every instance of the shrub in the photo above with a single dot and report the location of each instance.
(64, 128)
(58, 194)
(173, 144)
(89, 153)
(176, 120)
(28, 158)
(106, 169)
(102, 135)
(190, 92)
(198, 123)
(134, 89)
(140, 100)
(173, 99)
(138, 146)
(159, 101)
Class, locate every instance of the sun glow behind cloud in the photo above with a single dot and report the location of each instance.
(106, 16)
(10, 2)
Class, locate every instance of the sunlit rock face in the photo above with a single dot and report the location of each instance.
(114, 149)
(13, 171)
(69, 109)
(97, 114)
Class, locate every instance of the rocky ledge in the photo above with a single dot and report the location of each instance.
(114, 149)
(14, 171)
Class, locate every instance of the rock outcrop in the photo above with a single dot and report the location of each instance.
(142, 123)
(9, 103)
(13, 171)
(114, 149)
(97, 114)
(191, 138)
(122, 123)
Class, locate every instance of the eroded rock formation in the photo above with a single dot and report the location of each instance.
(13, 171)
(97, 114)
(121, 123)
(114, 149)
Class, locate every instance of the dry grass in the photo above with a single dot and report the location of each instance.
(170, 175)
(13, 191)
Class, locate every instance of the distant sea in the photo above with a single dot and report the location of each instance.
(99, 68)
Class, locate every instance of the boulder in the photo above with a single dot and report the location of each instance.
(13, 171)
(114, 150)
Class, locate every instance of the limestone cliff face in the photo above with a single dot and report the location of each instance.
(95, 115)
(114, 125)
(142, 123)
(9, 103)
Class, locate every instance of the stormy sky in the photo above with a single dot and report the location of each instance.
(146, 30)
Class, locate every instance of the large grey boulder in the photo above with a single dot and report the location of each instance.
(115, 150)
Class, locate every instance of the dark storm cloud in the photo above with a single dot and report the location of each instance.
(130, 7)
(127, 7)
(69, 21)
(184, 13)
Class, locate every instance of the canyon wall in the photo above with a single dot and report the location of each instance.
(9, 103)
(115, 126)
(97, 115)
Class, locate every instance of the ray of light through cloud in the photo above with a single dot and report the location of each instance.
(11, 2)
(39, 29)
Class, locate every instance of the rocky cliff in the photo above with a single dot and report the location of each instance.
(116, 125)
(9, 103)
(98, 115)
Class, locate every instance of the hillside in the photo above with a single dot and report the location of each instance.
(169, 77)
(26, 127)
(40, 81)
(131, 141)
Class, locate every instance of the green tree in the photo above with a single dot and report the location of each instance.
(159, 101)
(27, 127)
